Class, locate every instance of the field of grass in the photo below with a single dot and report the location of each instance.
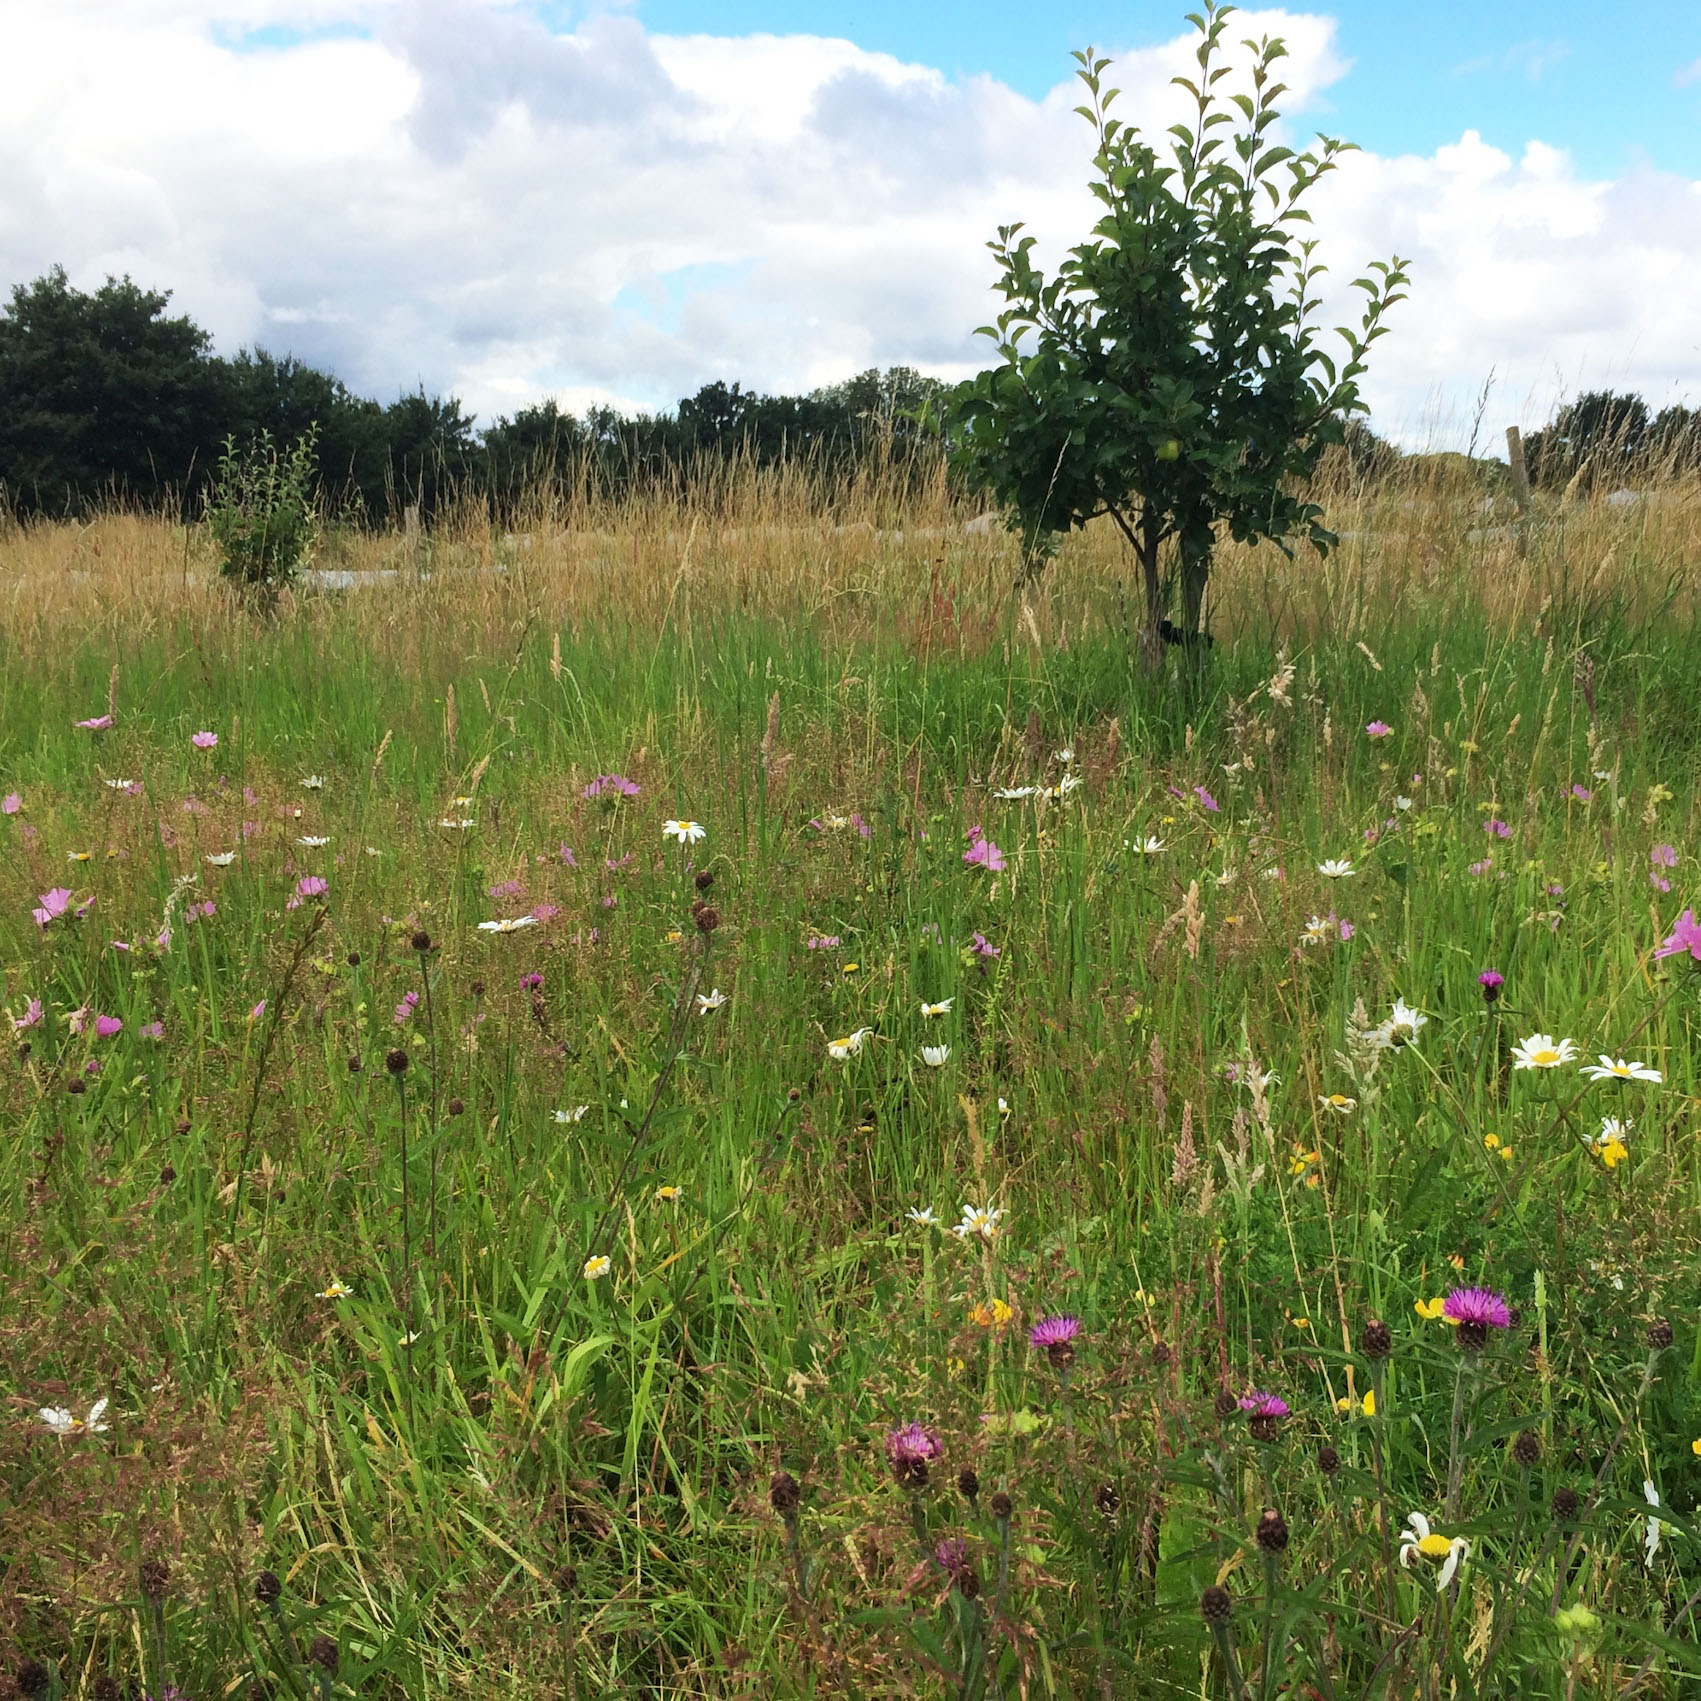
(543, 1312)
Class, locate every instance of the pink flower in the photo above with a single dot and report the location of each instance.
(53, 905)
(31, 1018)
(1206, 801)
(1259, 1404)
(910, 1449)
(1378, 729)
(532, 982)
(258, 1011)
(504, 889)
(1686, 936)
(1482, 867)
(568, 857)
(404, 1011)
(982, 947)
(308, 886)
(11, 803)
(1663, 856)
(615, 783)
(861, 826)
(1497, 827)
(1581, 793)
(204, 740)
(78, 1020)
(107, 1026)
(545, 912)
(983, 853)
(99, 723)
(152, 1030)
(821, 942)
(1347, 931)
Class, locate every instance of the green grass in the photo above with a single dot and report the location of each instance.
(169, 1229)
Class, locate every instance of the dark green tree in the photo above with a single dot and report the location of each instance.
(1600, 435)
(103, 396)
(1169, 374)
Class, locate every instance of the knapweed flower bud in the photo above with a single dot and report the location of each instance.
(1566, 1504)
(353, 959)
(76, 1085)
(968, 1582)
(968, 1485)
(167, 1175)
(793, 1094)
(33, 1678)
(706, 916)
(1163, 1355)
(1226, 1405)
(354, 1066)
(183, 1127)
(1377, 1341)
(156, 1577)
(476, 989)
(456, 1106)
(105, 1688)
(1272, 1532)
(1216, 1604)
(702, 879)
(783, 1494)
(1328, 1460)
(323, 1653)
(267, 1588)
(1527, 1449)
(1002, 1505)
(421, 941)
(1660, 1334)
(1106, 1499)
(396, 1061)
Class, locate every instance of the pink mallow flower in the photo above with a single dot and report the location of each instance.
(616, 783)
(983, 853)
(97, 723)
(31, 1018)
(204, 740)
(52, 905)
(152, 1030)
(1378, 729)
(404, 1011)
(107, 1026)
(11, 803)
(309, 886)
(983, 947)
(1686, 936)
(1206, 801)
(1497, 827)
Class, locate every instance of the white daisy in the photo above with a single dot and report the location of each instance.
(939, 1009)
(1542, 1051)
(1066, 755)
(978, 1219)
(1337, 1102)
(461, 825)
(1616, 1069)
(598, 1267)
(1315, 931)
(373, 850)
(313, 841)
(934, 1056)
(62, 1422)
(687, 832)
(336, 1290)
(1402, 1026)
(1402, 804)
(1003, 1109)
(222, 859)
(1417, 1539)
(1148, 846)
(850, 1046)
(1014, 794)
(923, 1216)
(1651, 1541)
(314, 782)
(1336, 868)
(707, 1001)
(576, 1114)
(508, 924)
(120, 785)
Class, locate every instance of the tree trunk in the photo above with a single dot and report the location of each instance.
(1195, 570)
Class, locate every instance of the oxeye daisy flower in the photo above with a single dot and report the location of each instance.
(461, 824)
(1337, 1102)
(850, 1046)
(707, 1001)
(313, 841)
(979, 1220)
(922, 1216)
(314, 782)
(576, 1114)
(910, 1449)
(1418, 1540)
(508, 924)
(935, 1056)
(940, 1009)
(1336, 868)
(61, 1421)
(1014, 794)
(1616, 1069)
(1402, 1026)
(1542, 1051)
(669, 1194)
(598, 1267)
(1150, 845)
(1055, 1337)
(1402, 804)
(1473, 1312)
(221, 859)
(686, 832)
(1609, 1145)
(335, 1290)
(204, 740)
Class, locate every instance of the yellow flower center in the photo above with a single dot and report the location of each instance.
(1434, 1546)
(1547, 1057)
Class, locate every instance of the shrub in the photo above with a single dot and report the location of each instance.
(262, 512)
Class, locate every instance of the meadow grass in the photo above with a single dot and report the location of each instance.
(482, 1470)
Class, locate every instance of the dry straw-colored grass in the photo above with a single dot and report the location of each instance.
(902, 557)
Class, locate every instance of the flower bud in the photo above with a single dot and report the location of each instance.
(1272, 1532)
(1216, 1605)
(1660, 1335)
(267, 1588)
(1002, 1505)
(784, 1494)
(323, 1653)
(1377, 1341)
(396, 1061)
(1527, 1449)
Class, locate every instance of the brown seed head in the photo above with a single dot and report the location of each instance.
(33, 1678)
(1272, 1533)
(1226, 1404)
(476, 989)
(1377, 1340)
(1566, 1504)
(784, 1495)
(968, 1582)
(167, 1175)
(1163, 1355)
(105, 1688)
(968, 1485)
(707, 917)
(456, 1106)
(1660, 1334)
(76, 1085)
(267, 1588)
(702, 879)
(1216, 1604)
(354, 1066)
(353, 959)
(1472, 1337)
(1106, 1499)
(1328, 1460)
(396, 1061)
(183, 1126)
(156, 1577)
(1527, 1449)
(1002, 1505)
(1262, 1427)
(323, 1653)
(421, 941)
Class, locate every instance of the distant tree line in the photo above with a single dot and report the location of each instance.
(110, 397)
(1611, 440)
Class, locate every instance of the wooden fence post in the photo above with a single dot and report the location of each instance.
(1520, 487)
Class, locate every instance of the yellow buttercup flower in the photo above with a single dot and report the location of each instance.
(1430, 1309)
(1695, 1447)
(991, 1314)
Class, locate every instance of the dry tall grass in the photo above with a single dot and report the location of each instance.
(912, 562)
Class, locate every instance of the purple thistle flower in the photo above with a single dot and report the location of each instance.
(1474, 1311)
(532, 982)
(1491, 981)
(1498, 828)
(1686, 936)
(910, 1449)
(616, 783)
(1256, 1403)
(1206, 801)
(1055, 1337)
(952, 1556)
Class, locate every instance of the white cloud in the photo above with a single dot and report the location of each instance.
(460, 197)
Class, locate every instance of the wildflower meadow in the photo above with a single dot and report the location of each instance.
(709, 1101)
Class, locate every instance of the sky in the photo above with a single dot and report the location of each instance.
(518, 199)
